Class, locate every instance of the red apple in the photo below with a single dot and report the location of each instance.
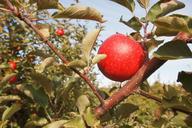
(12, 65)
(124, 57)
(13, 79)
(60, 32)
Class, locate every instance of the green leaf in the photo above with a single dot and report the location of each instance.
(169, 92)
(185, 79)
(104, 93)
(32, 1)
(160, 31)
(40, 53)
(77, 122)
(7, 78)
(46, 63)
(181, 103)
(159, 123)
(188, 120)
(162, 8)
(46, 4)
(3, 124)
(82, 103)
(55, 124)
(153, 43)
(133, 23)
(136, 35)
(1, 29)
(188, 20)
(170, 51)
(39, 95)
(66, 70)
(179, 120)
(8, 113)
(44, 29)
(175, 23)
(44, 82)
(143, 3)
(129, 4)
(9, 98)
(98, 58)
(36, 123)
(125, 109)
(79, 12)
(76, 64)
(22, 88)
(68, 86)
(145, 86)
(88, 43)
(4, 66)
(90, 118)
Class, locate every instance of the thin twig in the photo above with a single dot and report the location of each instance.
(145, 31)
(159, 100)
(5, 10)
(145, 94)
(38, 19)
(54, 49)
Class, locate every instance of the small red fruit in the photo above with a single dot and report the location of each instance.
(60, 32)
(124, 57)
(13, 79)
(12, 65)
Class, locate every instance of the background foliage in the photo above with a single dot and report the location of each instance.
(49, 94)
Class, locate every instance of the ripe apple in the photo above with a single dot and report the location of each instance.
(60, 32)
(13, 79)
(124, 57)
(12, 65)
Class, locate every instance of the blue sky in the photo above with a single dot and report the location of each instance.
(112, 12)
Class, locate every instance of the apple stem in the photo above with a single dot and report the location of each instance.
(53, 48)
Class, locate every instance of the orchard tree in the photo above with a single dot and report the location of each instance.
(47, 61)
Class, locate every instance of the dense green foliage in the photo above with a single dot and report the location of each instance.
(47, 93)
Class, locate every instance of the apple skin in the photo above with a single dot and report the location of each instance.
(13, 79)
(124, 57)
(60, 32)
(12, 65)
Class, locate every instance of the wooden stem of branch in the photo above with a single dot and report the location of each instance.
(53, 48)
(144, 72)
(149, 96)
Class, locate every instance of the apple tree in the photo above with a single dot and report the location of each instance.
(47, 60)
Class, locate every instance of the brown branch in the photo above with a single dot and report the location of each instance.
(53, 48)
(5, 10)
(149, 96)
(144, 72)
